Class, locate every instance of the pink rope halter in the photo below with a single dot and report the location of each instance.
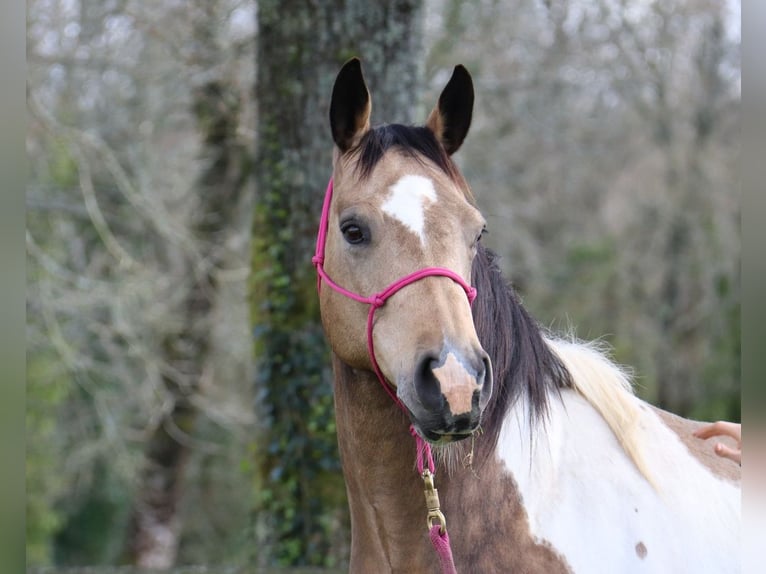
(438, 535)
(377, 300)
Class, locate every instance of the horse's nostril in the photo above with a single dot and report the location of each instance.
(426, 384)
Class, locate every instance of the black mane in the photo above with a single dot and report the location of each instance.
(521, 361)
(416, 141)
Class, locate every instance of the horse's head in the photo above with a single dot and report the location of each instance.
(399, 205)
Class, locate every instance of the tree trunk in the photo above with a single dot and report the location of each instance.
(301, 45)
(155, 529)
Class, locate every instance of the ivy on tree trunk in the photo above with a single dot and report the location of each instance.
(301, 512)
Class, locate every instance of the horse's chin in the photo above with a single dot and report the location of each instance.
(437, 438)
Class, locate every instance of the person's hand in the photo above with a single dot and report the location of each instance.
(723, 428)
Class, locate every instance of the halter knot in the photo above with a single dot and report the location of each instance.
(377, 301)
(317, 260)
(471, 294)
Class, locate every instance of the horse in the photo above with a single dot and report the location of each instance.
(545, 459)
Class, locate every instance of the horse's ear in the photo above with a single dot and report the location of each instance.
(350, 106)
(451, 117)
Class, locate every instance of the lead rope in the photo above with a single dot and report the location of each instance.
(437, 523)
(435, 520)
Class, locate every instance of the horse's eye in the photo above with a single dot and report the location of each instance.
(353, 233)
(484, 231)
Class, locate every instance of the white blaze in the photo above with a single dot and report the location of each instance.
(408, 200)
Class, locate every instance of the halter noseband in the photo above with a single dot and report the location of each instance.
(377, 300)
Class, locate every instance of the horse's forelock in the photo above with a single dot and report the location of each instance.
(417, 142)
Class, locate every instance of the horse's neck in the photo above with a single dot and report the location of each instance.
(486, 519)
(388, 514)
(516, 509)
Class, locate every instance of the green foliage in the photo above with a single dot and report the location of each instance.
(46, 390)
(96, 523)
(722, 401)
(76, 514)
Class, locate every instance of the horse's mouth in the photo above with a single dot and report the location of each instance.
(440, 432)
(435, 437)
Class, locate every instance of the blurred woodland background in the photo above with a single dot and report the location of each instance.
(179, 406)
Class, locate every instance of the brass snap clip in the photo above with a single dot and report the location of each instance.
(435, 515)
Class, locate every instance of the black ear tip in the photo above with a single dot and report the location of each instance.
(462, 73)
(351, 73)
(354, 65)
(460, 83)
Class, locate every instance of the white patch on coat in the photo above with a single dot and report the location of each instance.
(608, 389)
(585, 496)
(408, 201)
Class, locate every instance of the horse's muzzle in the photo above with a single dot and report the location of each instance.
(452, 390)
